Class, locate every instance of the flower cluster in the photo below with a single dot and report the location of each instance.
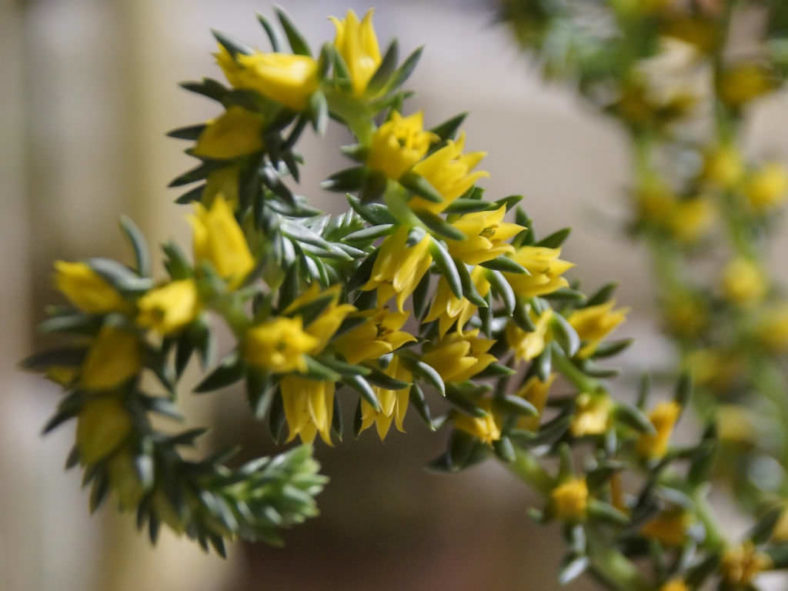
(421, 290)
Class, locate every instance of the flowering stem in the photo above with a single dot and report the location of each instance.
(571, 372)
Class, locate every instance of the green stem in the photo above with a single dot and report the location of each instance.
(572, 373)
(528, 469)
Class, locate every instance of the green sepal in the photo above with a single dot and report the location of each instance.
(259, 392)
(318, 111)
(565, 334)
(462, 205)
(270, 32)
(448, 129)
(446, 266)
(344, 369)
(138, 244)
(502, 289)
(602, 511)
(119, 276)
(385, 70)
(65, 356)
(516, 405)
(350, 179)
(207, 87)
(232, 46)
(556, 239)
(602, 295)
(229, 371)
(361, 385)
(438, 225)
(297, 42)
(374, 213)
(505, 264)
(190, 132)
(426, 373)
(468, 288)
(405, 70)
(418, 185)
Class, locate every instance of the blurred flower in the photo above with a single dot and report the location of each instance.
(655, 200)
(309, 407)
(742, 83)
(398, 144)
(675, 585)
(357, 43)
(459, 357)
(592, 414)
(86, 289)
(485, 236)
(691, 219)
(669, 528)
(102, 425)
(594, 323)
(529, 345)
(772, 329)
(485, 429)
(544, 268)
(378, 335)
(686, 314)
(114, 357)
(741, 564)
(399, 268)
(570, 500)
(450, 172)
(448, 308)
(714, 369)
(663, 418)
(219, 240)
(723, 166)
(735, 424)
(393, 403)
(237, 132)
(169, 308)
(278, 345)
(285, 78)
(743, 282)
(536, 392)
(767, 187)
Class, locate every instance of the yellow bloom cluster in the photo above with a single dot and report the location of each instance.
(663, 418)
(741, 564)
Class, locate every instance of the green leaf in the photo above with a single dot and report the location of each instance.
(318, 110)
(119, 276)
(469, 206)
(190, 132)
(297, 42)
(382, 75)
(318, 371)
(370, 233)
(438, 225)
(406, 69)
(273, 37)
(419, 402)
(611, 348)
(138, 244)
(383, 380)
(230, 370)
(418, 185)
(505, 264)
(426, 373)
(606, 512)
(504, 450)
(565, 334)
(517, 405)
(360, 385)
(602, 295)
(232, 46)
(468, 288)
(502, 289)
(207, 87)
(374, 213)
(448, 129)
(572, 567)
(683, 390)
(65, 356)
(446, 267)
(350, 179)
(633, 417)
(556, 239)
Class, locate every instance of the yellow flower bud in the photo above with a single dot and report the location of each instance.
(393, 403)
(398, 144)
(766, 188)
(592, 414)
(219, 240)
(86, 289)
(283, 77)
(743, 83)
(309, 407)
(459, 357)
(169, 308)
(663, 418)
(357, 43)
(529, 345)
(741, 564)
(102, 425)
(486, 429)
(279, 345)
(743, 282)
(450, 172)
(448, 308)
(570, 500)
(723, 167)
(235, 133)
(669, 528)
(691, 219)
(594, 323)
(113, 358)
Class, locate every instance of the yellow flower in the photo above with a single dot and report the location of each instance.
(734, 424)
(655, 200)
(170, 307)
(486, 235)
(691, 219)
(669, 528)
(219, 240)
(594, 323)
(741, 564)
(309, 407)
(113, 358)
(485, 429)
(536, 392)
(674, 585)
(772, 328)
(592, 414)
(570, 500)
(767, 187)
(686, 315)
(378, 335)
(743, 282)
(448, 308)
(237, 132)
(326, 324)
(279, 345)
(357, 43)
(545, 270)
(450, 172)
(663, 417)
(529, 345)
(285, 78)
(398, 144)
(399, 268)
(743, 83)
(222, 182)
(714, 369)
(723, 166)
(102, 425)
(459, 357)
(393, 403)
(86, 289)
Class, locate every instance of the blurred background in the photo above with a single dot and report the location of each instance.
(89, 87)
